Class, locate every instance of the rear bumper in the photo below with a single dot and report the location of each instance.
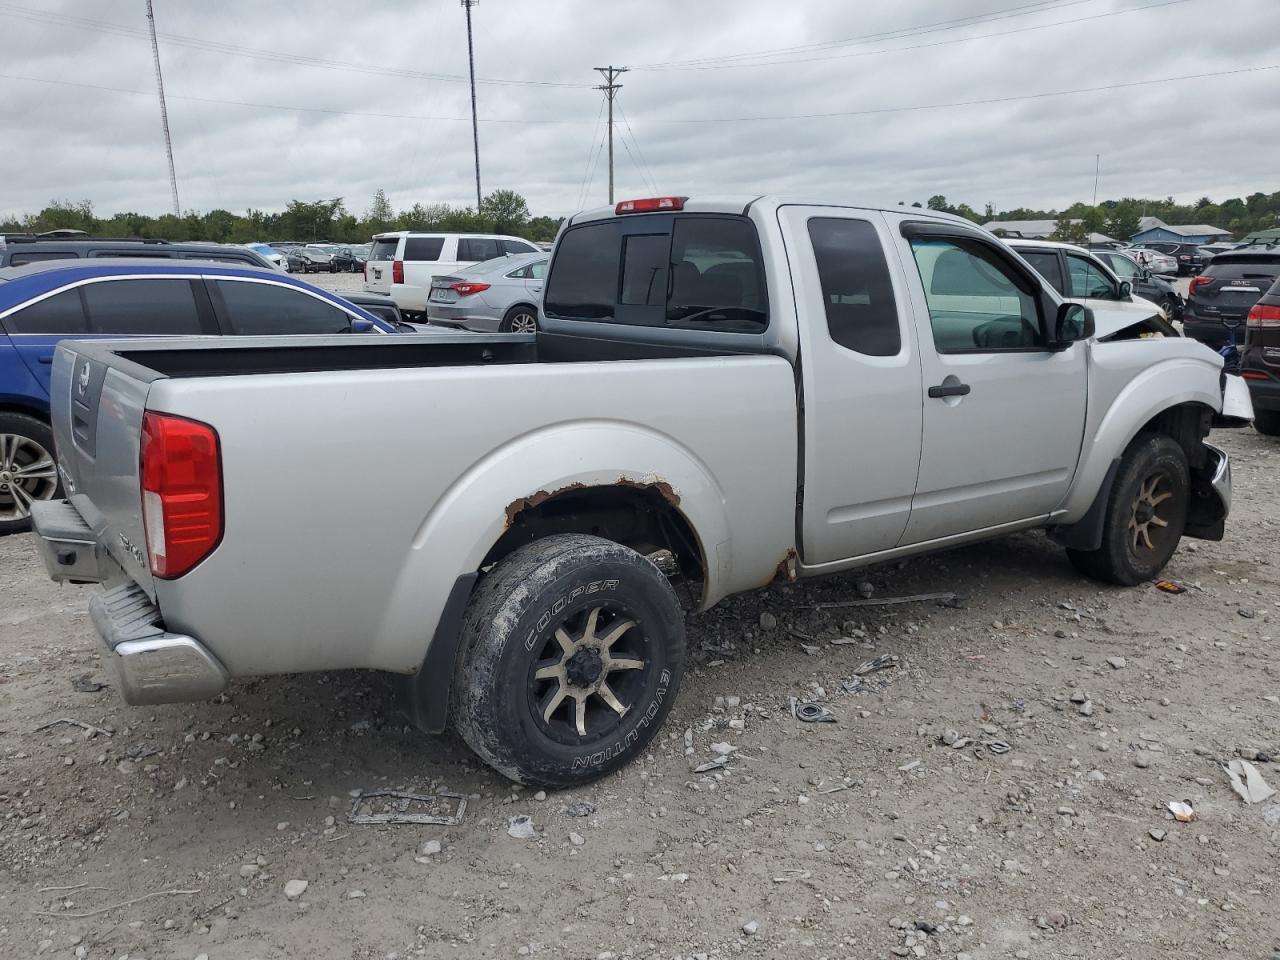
(461, 316)
(1211, 332)
(151, 664)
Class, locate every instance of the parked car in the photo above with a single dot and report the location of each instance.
(43, 303)
(1145, 283)
(382, 307)
(1260, 360)
(1159, 263)
(1081, 276)
(274, 257)
(500, 294)
(402, 263)
(313, 260)
(1186, 255)
(1220, 298)
(506, 579)
(351, 259)
(19, 249)
(294, 262)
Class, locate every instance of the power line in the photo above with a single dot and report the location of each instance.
(591, 151)
(591, 169)
(258, 53)
(164, 110)
(627, 123)
(924, 46)
(936, 26)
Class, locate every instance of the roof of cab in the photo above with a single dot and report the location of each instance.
(740, 204)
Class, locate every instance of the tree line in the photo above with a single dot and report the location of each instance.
(507, 212)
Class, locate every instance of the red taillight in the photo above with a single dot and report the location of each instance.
(650, 205)
(397, 271)
(1198, 282)
(181, 492)
(465, 289)
(1263, 316)
(1254, 375)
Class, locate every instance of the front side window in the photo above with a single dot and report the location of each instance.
(1123, 267)
(479, 249)
(857, 292)
(269, 309)
(977, 303)
(1088, 280)
(58, 315)
(1047, 265)
(146, 308)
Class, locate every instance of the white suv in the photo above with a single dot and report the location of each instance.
(402, 262)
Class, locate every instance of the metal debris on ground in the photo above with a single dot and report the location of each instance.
(1181, 810)
(1170, 586)
(997, 746)
(880, 601)
(715, 764)
(86, 684)
(93, 731)
(1247, 782)
(398, 807)
(811, 712)
(883, 662)
(521, 827)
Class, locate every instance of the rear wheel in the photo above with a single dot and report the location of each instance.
(573, 649)
(27, 469)
(1146, 514)
(1267, 421)
(521, 318)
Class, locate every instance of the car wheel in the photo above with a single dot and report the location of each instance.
(520, 319)
(1146, 514)
(1267, 421)
(28, 472)
(573, 649)
(1166, 303)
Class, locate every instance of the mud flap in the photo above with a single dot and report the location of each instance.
(424, 696)
(1086, 533)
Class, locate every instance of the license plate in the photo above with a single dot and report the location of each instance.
(377, 274)
(439, 295)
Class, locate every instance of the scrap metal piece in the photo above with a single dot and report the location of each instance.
(402, 814)
(876, 664)
(813, 713)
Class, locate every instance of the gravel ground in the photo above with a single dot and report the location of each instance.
(866, 837)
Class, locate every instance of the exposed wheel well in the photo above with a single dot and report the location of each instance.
(645, 517)
(517, 306)
(1187, 424)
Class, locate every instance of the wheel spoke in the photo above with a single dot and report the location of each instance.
(550, 671)
(1156, 501)
(589, 634)
(580, 716)
(1146, 536)
(8, 448)
(42, 469)
(21, 500)
(557, 698)
(1158, 522)
(616, 631)
(565, 641)
(623, 663)
(605, 693)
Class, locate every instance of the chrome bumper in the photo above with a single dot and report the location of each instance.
(152, 665)
(1220, 478)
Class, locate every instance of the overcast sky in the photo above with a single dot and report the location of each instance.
(731, 124)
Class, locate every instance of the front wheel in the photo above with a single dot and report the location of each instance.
(573, 649)
(1146, 514)
(1267, 421)
(27, 469)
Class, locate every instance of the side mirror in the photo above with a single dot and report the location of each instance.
(358, 325)
(1073, 323)
(1126, 290)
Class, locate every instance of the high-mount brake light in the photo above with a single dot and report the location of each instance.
(650, 205)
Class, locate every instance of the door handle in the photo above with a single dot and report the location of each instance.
(46, 359)
(949, 390)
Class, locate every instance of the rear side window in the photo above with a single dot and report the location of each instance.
(1254, 268)
(517, 247)
(386, 249)
(60, 314)
(857, 292)
(584, 283)
(268, 309)
(142, 307)
(479, 248)
(1047, 265)
(415, 248)
(727, 291)
(18, 259)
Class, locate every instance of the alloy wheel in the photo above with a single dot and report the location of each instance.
(1146, 526)
(524, 323)
(27, 474)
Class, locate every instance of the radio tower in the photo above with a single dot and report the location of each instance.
(164, 113)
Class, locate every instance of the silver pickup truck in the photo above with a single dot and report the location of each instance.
(761, 388)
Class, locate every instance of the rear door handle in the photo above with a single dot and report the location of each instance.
(949, 390)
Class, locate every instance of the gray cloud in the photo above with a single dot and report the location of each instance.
(1214, 136)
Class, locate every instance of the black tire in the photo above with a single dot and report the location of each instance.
(526, 727)
(25, 442)
(1267, 421)
(511, 322)
(1135, 547)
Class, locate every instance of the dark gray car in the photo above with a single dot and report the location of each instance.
(501, 294)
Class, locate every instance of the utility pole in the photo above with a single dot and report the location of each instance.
(611, 88)
(475, 126)
(164, 112)
(1097, 167)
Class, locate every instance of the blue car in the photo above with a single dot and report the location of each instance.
(45, 302)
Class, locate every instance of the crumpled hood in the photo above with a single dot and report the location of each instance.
(1117, 316)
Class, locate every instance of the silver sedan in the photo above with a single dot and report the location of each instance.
(501, 294)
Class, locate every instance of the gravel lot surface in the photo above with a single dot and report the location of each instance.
(220, 829)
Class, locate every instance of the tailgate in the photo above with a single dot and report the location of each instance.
(98, 400)
(377, 272)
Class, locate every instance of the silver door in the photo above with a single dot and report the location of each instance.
(861, 381)
(1003, 415)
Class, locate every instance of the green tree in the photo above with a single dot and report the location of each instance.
(1068, 230)
(544, 229)
(506, 210)
(938, 202)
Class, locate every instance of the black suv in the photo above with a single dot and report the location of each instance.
(19, 249)
(1190, 259)
(1260, 361)
(1220, 298)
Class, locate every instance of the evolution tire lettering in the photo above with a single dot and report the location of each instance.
(544, 621)
(621, 746)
